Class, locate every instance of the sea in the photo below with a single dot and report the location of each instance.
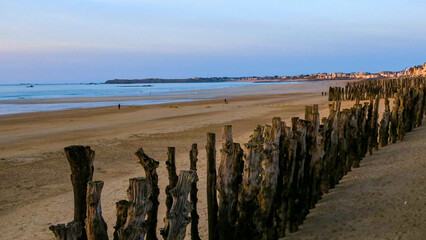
(153, 93)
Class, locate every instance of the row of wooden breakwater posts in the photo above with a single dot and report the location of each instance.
(260, 192)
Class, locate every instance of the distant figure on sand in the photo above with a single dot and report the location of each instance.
(226, 101)
(119, 106)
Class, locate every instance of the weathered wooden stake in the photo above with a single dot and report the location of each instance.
(134, 212)
(401, 119)
(247, 197)
(394, 121)
(71, 231)
(375, 126)
(80, 159)
(150, 166)
(384, 125)
(96, 228)
(121, 213)
(292, 185)
(173, 178)
(179, 213)
(211, 185)
(193, 156)
(269, 179)
(228, 183)
(283, 181)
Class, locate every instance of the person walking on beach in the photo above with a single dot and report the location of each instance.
(119, 106)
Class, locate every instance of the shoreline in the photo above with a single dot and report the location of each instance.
(18, 106)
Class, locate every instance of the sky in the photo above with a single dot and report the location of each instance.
(46, 41)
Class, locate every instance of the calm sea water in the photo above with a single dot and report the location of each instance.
(48, 91)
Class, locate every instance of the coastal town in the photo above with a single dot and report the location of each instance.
(419, 70)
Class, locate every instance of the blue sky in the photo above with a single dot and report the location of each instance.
(97, 40)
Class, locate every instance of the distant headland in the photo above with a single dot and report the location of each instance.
(419, 70)
(162, 80)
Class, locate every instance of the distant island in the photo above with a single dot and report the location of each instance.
(162, 80)
(412, 71)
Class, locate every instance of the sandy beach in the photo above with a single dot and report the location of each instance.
(35, 189)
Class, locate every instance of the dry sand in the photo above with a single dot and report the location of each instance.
(35, 189)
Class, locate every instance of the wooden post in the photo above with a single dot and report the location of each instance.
(179, 213)
(80, 159)
(420, 109)
(71, 231)
(384, 129)
(193, 156)
(96, 228)
(409, 106)
(247, 197)
(384, 125)
(369, 129)
(150, 166)
(228, 182)
(365, 129)
(173, 178)
(340, 169)
(317, 153)
(292, 185)
(283, 178)
(121, 213)
(211, 185)
(401, 119)
(269, 178)
(301, 160)
(360, 118)
(375, 126)
(134, 211)
(331, 159)
(394, 121)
